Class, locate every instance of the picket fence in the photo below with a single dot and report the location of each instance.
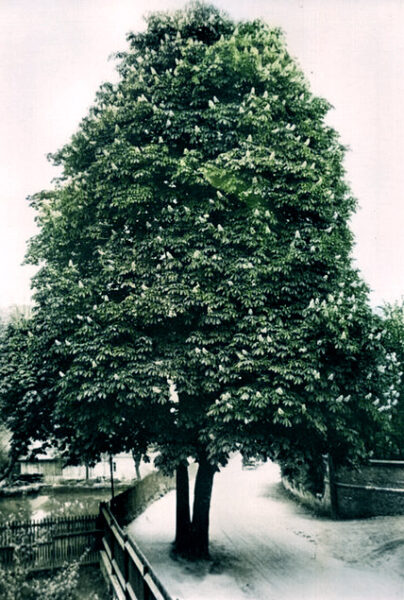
(50, 543)
(94, 540)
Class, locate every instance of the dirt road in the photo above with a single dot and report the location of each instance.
(266, 547)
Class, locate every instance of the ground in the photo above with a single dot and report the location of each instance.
(265, 546)
(92, 582)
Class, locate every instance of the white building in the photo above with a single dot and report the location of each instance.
(50, 466)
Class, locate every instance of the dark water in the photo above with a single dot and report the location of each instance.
(52, 503)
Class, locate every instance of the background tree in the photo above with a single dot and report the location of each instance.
(19, 390)
(195, 242)
(352, 390)
(393, 336)
(35, 400)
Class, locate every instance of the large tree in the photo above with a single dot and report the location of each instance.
(199, 228)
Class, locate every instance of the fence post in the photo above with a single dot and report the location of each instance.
(333, 488)
(126, 564)
(101, 526)
(111, 469)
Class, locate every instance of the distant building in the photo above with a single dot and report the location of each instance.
(50, 467)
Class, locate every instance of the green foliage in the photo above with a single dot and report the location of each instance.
(24, 406)
(306, 472)
(198, 238)
(63, 585)
(17, 583)
(393, 325)
(14, 583)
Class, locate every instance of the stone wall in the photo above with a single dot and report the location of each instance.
(372, 490)
(377, 489)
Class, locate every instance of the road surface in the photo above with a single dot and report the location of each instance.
(265, 546)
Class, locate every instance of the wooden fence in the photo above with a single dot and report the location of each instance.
(50, 543)
(94, 540)
(128, 572)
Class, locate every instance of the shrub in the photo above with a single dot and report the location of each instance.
(17, 583)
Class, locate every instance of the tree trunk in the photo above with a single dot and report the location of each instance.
(111, 471)
(137, 458)
(183, 516)
(199, 547)
(9, 469)
(333, 488)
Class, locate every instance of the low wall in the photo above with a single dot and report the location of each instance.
(132, 502)
(372, 490)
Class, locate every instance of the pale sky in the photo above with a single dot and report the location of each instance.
(54, 55)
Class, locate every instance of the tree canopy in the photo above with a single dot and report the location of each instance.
(198, 240)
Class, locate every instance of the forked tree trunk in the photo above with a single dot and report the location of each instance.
(199, 546)
(183, 515)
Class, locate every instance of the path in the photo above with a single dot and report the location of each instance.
(264, 546)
